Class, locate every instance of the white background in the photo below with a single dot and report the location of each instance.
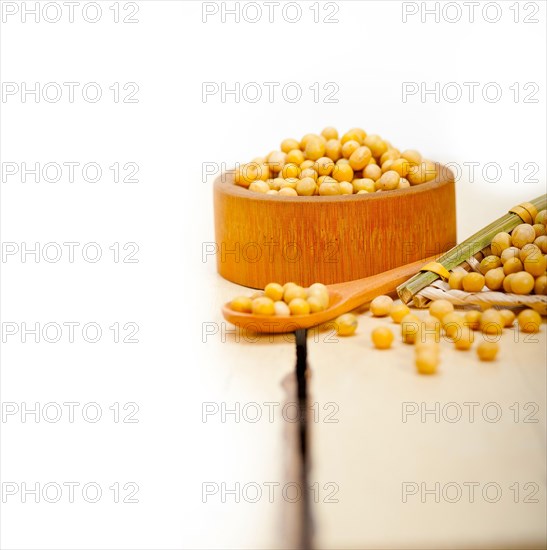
(170, 133)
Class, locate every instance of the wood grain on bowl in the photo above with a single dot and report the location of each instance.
(263, 238)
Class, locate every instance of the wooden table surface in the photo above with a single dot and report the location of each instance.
(396, 460)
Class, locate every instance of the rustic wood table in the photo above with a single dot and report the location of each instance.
(394, 459)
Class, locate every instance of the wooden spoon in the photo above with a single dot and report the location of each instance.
(344, 297)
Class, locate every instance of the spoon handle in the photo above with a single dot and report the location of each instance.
(359, 292)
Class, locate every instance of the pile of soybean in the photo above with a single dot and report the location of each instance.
(514, 262)
(326, 164)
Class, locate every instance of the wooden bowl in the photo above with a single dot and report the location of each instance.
(263, 238)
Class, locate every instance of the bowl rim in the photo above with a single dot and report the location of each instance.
(224, 183)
